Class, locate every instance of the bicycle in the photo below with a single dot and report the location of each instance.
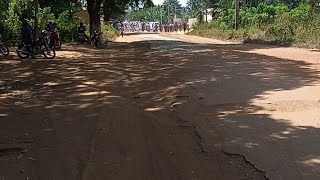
(3, 48)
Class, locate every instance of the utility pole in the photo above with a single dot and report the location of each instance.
(36, 17)
(206, 15)
(161, 14)
(237, 14)
(168, 4)
(175, 11)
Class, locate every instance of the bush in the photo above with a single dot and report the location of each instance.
(268, 23)
(12, 29)
(44, 16)
(68, 26)
(109, 32)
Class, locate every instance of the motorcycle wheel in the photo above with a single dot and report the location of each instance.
(58, 44)
(49, 52)
(81, 39)
(22, 55)
(21, 52)
(4, 50)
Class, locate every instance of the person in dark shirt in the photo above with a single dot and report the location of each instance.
(26, 33)
(82, 30)
(49, 26)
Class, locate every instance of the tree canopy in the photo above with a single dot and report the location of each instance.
(12, 12)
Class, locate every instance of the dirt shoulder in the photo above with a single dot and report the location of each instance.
(265, 100)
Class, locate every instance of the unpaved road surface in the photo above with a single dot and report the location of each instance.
(153, 106)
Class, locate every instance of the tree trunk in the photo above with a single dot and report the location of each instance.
(106, 17)
(94, 14)
(237, 14)
(36, 19)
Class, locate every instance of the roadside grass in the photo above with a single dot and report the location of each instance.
(300, 38)
(110, 33)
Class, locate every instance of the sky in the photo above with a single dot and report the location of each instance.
(182, 2)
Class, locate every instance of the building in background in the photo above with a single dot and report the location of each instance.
(83, 15)
(207, 15)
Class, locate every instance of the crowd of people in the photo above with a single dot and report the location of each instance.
(151, 26)
(175, 27)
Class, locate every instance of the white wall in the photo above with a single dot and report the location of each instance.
(192, 21)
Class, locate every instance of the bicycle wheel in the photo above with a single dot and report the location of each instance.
(58, 44)
(4, 50)
(22, 55)
(49, 52)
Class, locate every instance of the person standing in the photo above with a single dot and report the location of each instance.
(82, 30)
(26, 34)
(184, 27)
(122, 29)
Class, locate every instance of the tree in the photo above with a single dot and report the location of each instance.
(194, 6)
(113, 8)
(175, 8)
(59, 6)
(154, 13)
(110, 7)
(94, 10)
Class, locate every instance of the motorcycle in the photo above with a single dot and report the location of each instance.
(82, 38)
(36, 48)
(53, 37)
(57, 44)
(96, 39)
(3, 48)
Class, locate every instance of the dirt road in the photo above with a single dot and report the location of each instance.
(153, 106)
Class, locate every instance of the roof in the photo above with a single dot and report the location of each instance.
(84, 15)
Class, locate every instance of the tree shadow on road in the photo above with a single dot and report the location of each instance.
(230, 78)
(35, 94)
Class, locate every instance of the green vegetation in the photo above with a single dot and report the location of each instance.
(157, 13)
(14, 11)
(267, 23)
(109, 32)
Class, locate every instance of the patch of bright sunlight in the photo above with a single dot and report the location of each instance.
(196, 81)
(89, 83)
(82, 106)
(51, 84)
(278, 136)
(69, 54)
(313, 161)
(3, 97)
(81, 86)
(251, 145)
(26, 74)
(202, 50)
(3, 115)
(153, 109)
(94, 93)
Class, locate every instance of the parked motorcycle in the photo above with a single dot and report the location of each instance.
(96, 39)
(82, 38)
(3, 48)
(36, 48)
(58, 44)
